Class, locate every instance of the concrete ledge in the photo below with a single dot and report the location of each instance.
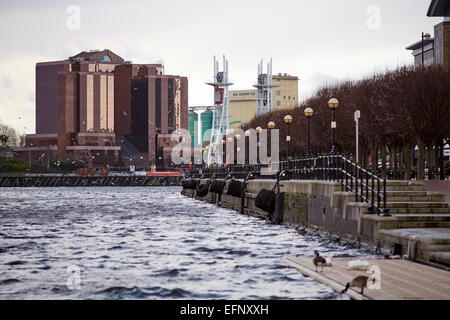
(440, 257)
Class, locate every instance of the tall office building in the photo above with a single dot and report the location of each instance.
(99, 108)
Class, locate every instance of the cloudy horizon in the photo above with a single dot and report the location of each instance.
(320, 42)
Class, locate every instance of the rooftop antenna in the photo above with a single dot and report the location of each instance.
(221, 109)
(264, 98)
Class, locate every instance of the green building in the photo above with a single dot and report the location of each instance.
(205, 117)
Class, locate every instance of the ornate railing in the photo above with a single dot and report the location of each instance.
(366, 185)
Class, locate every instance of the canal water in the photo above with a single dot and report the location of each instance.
(147, 243)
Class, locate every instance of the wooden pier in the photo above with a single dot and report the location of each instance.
(399, 279)
(73, 180)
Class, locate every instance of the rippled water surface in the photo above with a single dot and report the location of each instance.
(146, 243)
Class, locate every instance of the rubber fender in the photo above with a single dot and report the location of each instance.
(219, 186)
(265, 200)
(192, 184)
(212, 186)
(202, 189)
(234, 188)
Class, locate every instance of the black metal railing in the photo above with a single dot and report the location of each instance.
(366, 185)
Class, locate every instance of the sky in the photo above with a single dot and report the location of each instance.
(321, 41)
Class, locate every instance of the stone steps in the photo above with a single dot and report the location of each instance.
(442, 257)
(422, 217)
(411, 196)
(418, 210)
(404, 188)
(419, 204)
(424, 224)
(430, 198)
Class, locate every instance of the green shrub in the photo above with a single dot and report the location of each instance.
(13, 165)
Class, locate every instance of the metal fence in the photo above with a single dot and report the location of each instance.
(366, 185)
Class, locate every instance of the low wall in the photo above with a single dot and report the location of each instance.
(322, 204)
(308, 203)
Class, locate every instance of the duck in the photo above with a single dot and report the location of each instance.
(319, 260)
(358, 282)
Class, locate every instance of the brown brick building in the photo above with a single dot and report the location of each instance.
(101, 109)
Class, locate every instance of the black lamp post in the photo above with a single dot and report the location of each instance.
(224, 154)
(258, 131)
(308, 114)
(288, 120)
(333, 103)
(248, 133)
(270, 125)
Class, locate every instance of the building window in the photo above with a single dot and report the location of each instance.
(284, 97)
(278, 103)
(289, 98)
(278, 92)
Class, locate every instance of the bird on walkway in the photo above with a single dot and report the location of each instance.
(358, 282)
(319, 260)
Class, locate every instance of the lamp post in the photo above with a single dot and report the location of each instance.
(357, 115)
(270, 125)
(238, 137)
(206, 151)
(229, 151)
(333, 103)
(258, 131)
(288, 120)
(424, 36)
(308, 114)
(248, 134)
(223, 142)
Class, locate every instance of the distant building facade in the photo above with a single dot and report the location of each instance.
(243, 102)
(435, 50)
(99, 108)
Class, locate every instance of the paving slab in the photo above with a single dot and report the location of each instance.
(399, 279)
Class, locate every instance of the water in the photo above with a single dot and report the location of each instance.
(146, 243)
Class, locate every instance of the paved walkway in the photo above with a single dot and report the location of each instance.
(399, 279)
(438, 186)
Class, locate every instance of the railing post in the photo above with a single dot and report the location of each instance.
(373, 189)
(362, 185)
(367, 186)
(385, 209)
(346, 175)
(356, 182)
(378, 195)
(351, 176)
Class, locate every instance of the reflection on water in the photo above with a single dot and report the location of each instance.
(146, 243)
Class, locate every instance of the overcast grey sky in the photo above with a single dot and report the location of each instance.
(319, 41)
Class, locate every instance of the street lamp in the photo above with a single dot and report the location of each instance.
(248, 133)
(288, 120)
(427, 37)
(258, 131)
(270, 125)
(223, 142)
(308, 114)
(237, 137)
(333, 103)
